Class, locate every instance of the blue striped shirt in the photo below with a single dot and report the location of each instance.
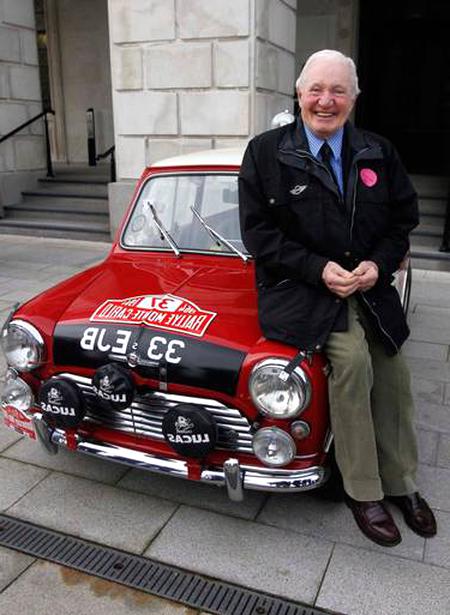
(335, 143)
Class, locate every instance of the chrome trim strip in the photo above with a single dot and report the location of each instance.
(255, 478)
(23, 324)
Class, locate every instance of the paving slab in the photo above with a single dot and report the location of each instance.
(423, 333)
(437, 549)
(192, 493)
(16, 479)
(434, 485)
(428, 444)
(94, 511)
(243, 552)
(443, 451)
(76, 464)
(12, 564)
(437, 318)
(434, 417)
(447, 394)
(359, 582)
(425, 350)
(7, 436)
(333, 521)
(50, 588)
(429, 391)
(22, 294)
(424, 308)
(431, 369)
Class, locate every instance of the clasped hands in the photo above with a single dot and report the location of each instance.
(344, 283)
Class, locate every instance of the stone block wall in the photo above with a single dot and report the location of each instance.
(189, 75)
(195, 74)
(22, 157)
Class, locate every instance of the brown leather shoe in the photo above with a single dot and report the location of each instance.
(418, 515)
(375, 522)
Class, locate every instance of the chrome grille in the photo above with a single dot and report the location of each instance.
(145, 415)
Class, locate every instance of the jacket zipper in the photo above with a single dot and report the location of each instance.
(379, 322)
(354, 164)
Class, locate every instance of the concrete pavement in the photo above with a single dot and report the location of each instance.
(294, 546)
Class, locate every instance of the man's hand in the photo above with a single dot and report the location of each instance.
(341, 282)
(367, 273)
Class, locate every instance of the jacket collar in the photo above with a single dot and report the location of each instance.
(294, 139)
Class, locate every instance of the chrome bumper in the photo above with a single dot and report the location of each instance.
(232, 475)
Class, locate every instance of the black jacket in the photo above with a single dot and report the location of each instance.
(294, 220)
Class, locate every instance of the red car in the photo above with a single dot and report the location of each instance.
(155, 358)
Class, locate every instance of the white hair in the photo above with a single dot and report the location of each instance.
(329, 54)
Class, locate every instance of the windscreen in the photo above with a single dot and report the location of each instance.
(214, 197)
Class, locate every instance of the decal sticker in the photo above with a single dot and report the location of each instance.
(160, 311)
(19, 421)
(93, 338)
(368, 177)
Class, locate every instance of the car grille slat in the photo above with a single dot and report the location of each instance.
(145, 415)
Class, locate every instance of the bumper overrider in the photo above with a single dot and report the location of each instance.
(231, 475)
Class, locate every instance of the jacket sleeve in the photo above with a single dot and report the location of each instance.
(404, 216)
(263, 237)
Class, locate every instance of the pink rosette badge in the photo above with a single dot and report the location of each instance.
(368, 177)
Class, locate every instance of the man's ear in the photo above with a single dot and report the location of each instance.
(299, 98)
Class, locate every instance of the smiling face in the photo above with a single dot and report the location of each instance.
(326, 97)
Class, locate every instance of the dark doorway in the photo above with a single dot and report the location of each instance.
(404, 69)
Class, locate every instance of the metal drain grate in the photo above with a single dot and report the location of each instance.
(142, 573)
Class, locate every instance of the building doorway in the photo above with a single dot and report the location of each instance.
(404, 68)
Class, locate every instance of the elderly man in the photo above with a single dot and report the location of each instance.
(326, 211)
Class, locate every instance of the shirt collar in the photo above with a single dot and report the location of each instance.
(335, 142)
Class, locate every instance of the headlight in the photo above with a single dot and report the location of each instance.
(23, 345)
(273, 446)
(275, 397)
(18, 394)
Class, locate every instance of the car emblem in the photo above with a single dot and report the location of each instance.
(298, 189)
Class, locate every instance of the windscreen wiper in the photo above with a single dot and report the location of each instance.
(162, 229)
(215, 235)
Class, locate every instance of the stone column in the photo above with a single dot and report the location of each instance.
(22, 157)
(194, 74)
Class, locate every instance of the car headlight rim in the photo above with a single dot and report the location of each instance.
(297, 377)
(283, 447)
(29, 350)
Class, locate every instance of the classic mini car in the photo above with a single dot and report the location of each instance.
(154, 358)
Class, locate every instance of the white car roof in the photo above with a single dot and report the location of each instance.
(231, 156)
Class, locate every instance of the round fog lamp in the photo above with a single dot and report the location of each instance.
(17, 393)
(273, 446)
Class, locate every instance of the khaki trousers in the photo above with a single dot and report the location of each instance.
(371, 410)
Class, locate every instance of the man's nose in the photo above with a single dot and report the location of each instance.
(326, 99)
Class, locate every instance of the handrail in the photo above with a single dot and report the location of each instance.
(25, 124)
(47, 140)
(109, 152)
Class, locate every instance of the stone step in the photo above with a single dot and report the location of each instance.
(49, 228)
(24, 211)
(432, 206)
(423, 257)
(66, 205)
(74, 186)
(430, 186)
(71, 194)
